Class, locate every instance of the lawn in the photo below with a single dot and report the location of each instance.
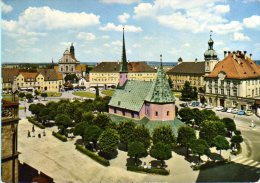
(108, 92)
(84, 94)
(54, 94)
(8, 97)
(21, 107)
(177, 94)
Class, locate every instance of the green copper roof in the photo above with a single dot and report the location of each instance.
(160, 91)
(131, 96)
(210, 54)
(123, 65)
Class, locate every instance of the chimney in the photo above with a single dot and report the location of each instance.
(250, 55)
(234, 55)
(245, 54)
(229, 52)
(225, 54)
(196, 60)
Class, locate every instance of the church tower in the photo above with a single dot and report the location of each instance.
(123, 65)
(72, 51)
(210, 56)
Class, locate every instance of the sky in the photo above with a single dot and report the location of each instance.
(37, 31)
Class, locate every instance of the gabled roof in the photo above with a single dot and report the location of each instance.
(132, 96)
(81, 68)
(8, 74)
(50, 74)
(188, 68)
(160, 91)
(236, 67)
(114, 67)
(29, 76)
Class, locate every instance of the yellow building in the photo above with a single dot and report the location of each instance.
(106, 74)
(43, 80)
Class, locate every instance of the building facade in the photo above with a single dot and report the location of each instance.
(136, 99)
(9, 123)
(106, 74)
(68, 64)
(234, 82)
(194, 72)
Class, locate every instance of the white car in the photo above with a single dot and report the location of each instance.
(219, 108)
(235, 111)
(209, 107)
(229, 110)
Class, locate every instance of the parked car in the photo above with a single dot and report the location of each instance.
(203, 105)
(224, 109)
(219, 108)
(195, 103)
(241, 112)
(209, 107)
(229, 110)
(249, 112)
(235, 111)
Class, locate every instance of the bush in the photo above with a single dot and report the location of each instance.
(93, 156)
(239, 150)
(158, 171)
(210, 164)
(36, 123)
(60, 137)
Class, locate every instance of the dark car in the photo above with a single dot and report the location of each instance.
(224, 109)
(30, 100)
(184, 105)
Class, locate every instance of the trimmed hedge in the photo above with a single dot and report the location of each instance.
(60, 137)
(210, 164)
(33, 121)
(239, 150)
(93, 156)
(158, 171)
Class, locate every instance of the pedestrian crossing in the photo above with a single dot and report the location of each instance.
(249, 163)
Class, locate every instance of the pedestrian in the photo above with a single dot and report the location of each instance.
(29, 134)
(43, 133)
(25, 109)
(33, 135)
(39, 135)
(33, 130)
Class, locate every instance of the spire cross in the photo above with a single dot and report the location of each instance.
(211, 33)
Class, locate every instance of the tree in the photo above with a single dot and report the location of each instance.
(229, 125)
(88, 117)
(236, 140)
(137, 150)
(200, 147)
(108, 141)
(142, 134)
(221, 143)
(197, 116)
(36, 109)
(91, 134)
(28, 96)
(161, 152)
(186, 114)
(126, 131)
(209, 115)
(79, 129)
(210, 129)
(170, 82)
(63, 121)
(44, 115)
(185, 137)
(71, 78)
(36, 93)
(188, 92)
(44, 95)
(97, 91)
(164, 134)
(21, 95)
(101, 120)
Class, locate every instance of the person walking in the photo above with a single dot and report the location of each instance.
(25, 109)
(33, 130)
(29, 134)
(43, 133)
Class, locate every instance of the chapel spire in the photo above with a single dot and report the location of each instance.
(123, 67)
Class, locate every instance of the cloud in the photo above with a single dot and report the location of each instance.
(67, 44)
(105, 36)
(144, 10)
(252, 22)
(119, 1)
(222, 9)
(186, 45)
(86, 36)
(119, 28)
(6, 8)
(148, 37)
(238, 36)
(233, 26)
(123, 18)
(116, 43)
(136, 45)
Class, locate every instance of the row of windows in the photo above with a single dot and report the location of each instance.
(255, 92)
(104, 79)
(224, 92)
(253, 82)
(132, 113)
(116, 74)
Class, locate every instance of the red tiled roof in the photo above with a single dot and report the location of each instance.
(236, 67)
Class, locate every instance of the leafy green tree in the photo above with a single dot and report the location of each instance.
(142, 134)
(188, 92)
(44, 115)
(36, 93)
(108, 141)
(161, 152)
(229, 124)
(21, 95)
(79, 129)
(97, 91)
(170, 82)
(101, 120)
(91, 134)
(28, 96)
(52, 106)
(186, 114)
(185, 137)
(88, 117)
(44, 95)
(221, 143)
(36, 109)
(209, 115)
(236, 140)
(137, 150)
(77, 114)
(126, 131)
(210, 129)
(71, 78)
(200, 147)
(63, 121)
(197, 116)
(164, 134)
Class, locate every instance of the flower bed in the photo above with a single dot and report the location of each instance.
(158, 171)
(60, 137)
(36, 123)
